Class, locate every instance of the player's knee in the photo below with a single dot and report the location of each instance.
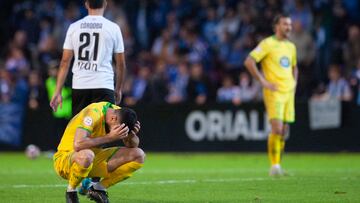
(277, 129)
(138, 155)
(86, 157)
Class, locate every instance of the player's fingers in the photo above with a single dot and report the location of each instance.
(123, 128)
(124, 132)
(53, 105)
(136, 128)
(118, 127)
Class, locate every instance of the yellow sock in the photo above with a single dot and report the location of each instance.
(120, 174)
(282, 146)
(274, 148)
(77, 174)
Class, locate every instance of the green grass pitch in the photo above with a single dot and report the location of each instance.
(198, 177)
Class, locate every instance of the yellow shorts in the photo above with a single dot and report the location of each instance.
(63, 162)
(280, 105)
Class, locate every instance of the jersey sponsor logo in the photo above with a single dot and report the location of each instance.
(87, 121)
(87, 66)
(285, 62)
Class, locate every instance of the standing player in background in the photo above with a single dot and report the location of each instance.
(277, 56)
(93, 41)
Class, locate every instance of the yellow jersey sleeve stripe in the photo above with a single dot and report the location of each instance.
(89, 131)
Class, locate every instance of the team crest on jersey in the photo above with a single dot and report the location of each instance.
(285, 62)
(87, 121)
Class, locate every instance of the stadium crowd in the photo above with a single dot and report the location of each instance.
(186, 50)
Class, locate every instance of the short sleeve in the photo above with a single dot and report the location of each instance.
(260, 51)
(294, 61)
(68, 41)
(89, 120)
(119, 43)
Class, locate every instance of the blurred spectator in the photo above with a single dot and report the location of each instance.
(177, 86)
(209, 28)
(199, 88)
(228, 92)
(37, 92)
(20, 41)
(16, 62)
(238, 53)
(5, 86)
(305, 50)
(355, 82)
(338, 87)
(352, 49)
(140, 83)
(249, 89)
(197, 48)
(173, 25)
(30, 25)
(164, 47)
(48, 51)
(302, 13)
(157, 88)
(304, 44)
(129, 40)
(229, 24)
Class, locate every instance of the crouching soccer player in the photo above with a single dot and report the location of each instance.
(80, 154)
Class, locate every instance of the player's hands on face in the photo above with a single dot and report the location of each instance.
(56, 100)
(118, 132)
(136, 129)
(268, 85)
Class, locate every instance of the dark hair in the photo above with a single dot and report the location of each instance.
(95, 4)
(278, 17)
(128, 117)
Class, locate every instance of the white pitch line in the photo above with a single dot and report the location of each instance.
(192, 171)
(159, 182)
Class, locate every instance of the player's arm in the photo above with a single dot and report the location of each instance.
(56, 99)
(83, 140)
(251, 66)
(295, 73)
(132, 140)
(295, 69)
(120, 69)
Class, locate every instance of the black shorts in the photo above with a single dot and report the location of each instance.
(83, 97)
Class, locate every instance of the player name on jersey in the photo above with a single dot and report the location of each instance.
(91, 25)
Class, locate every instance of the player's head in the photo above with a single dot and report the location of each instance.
(128, 117)
(282, 25)
(95, 4)
(119, 116)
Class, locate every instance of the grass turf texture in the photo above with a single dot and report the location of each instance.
(214, 177)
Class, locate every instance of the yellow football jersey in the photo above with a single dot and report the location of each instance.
(91, 119)
(278, 58)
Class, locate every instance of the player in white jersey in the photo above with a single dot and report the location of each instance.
(93, 41)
